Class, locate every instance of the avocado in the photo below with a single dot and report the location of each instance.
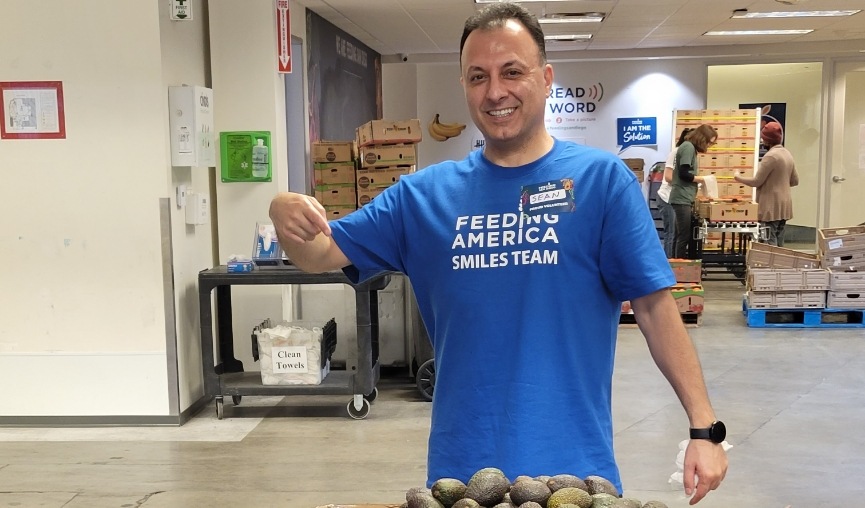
(542, 478)
(599, 485)
(627, 503)
(423, 500)
(415, 491)
(522, 477)
(570, 495)
(466, 503)
(531, 504)
(654, 504)
(488, 487)
(530, 490)
(448, 491)
(507, 505)
(566, 480)
(603, 500)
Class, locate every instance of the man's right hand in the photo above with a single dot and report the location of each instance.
(298, 218)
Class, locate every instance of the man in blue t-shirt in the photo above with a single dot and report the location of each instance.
(520, 256)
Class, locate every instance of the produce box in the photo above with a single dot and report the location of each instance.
(336, 195)
(364, 196)
(839, 281)
(716, 211)
(334, 174)
(787, 279)
(735, 189)
(786, 300)
(388, 155)
(845, 300)
(844, 261)
(763, 255)
(835, 240)
(377, 132)
(689, 297)
(380, 178)
(333, 151)
(687, 270)
(635, 164)
(337, 212)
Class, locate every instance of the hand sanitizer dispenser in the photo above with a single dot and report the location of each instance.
(259, 159)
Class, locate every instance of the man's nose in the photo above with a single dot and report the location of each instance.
(497, 89)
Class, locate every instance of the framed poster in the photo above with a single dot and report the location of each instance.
(32, 110)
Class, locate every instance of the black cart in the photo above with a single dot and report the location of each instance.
(224, 374)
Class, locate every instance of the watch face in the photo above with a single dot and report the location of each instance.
(718, 432)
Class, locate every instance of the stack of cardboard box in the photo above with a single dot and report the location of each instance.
(688, 292)
(637, 166)
(386, 151)
(334, 168)
(780, 278)
(735, 150)
(842, 252)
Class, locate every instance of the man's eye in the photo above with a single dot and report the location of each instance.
(512, 73)
(477, 77)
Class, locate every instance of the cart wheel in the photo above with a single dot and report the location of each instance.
(426, 379)
(372, 395)
(219, 408)
(358, 414)
(236, 399)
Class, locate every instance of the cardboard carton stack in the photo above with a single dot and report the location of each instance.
(637, 166)
(736, 150)
(334, 168)
(688, 291)
(842, 253)
(387, 150)
(780, 278)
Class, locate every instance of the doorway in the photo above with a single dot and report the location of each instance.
(299, 170)
(845, 177)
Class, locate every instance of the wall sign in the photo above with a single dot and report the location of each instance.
(32, 110)
(642, 131)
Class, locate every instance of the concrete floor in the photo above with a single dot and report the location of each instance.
(792, 400)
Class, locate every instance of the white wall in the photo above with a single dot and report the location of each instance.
(82, 288)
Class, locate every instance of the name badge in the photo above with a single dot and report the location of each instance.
(548, 197)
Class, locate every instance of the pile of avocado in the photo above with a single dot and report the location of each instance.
(490, 488)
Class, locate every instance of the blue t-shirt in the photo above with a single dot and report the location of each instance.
(519, 275)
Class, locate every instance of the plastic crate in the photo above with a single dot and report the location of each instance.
(294, 353)
(787, 279)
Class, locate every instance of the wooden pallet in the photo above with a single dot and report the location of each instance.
(690, 319)
(804, 318)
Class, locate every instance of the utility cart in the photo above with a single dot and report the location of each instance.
(224, 374)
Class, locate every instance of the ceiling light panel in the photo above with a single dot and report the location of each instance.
(794, 14)
(572, 17)
(758, 32)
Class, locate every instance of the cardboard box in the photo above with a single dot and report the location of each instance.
(364, 196)
(733, 188)
(786, 300)
(845, 300)
(715, 211)
(834, 240)
(337, 174)
(333, 151)
(726, 173)
(844, 261)
(402, 154)
(712, 160)
(635, 164)
(641, 176)
(335, 195)
(337, 212)
(377, 132)
(737, 131)
(763, 255)
(844, 281)
(687, 270)
(741, 161)
(787, 279)
(689, 297)
(380, 178)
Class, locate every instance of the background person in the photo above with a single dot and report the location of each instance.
(685, 182)
(668, 215)
(773, 180)
(519, 276)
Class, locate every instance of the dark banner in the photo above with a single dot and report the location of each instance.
(344, 81)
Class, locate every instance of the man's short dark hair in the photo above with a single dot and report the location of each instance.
(496, 15)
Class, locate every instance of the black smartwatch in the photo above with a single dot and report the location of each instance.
(716, 433)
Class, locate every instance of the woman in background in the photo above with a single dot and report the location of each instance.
(668, 215)
(774, 178)
(685, 181)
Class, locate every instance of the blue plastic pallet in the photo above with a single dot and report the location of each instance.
(804, 318)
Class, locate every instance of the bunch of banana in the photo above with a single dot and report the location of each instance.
(443, 131)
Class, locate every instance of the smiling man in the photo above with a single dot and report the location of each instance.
(520, 256)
